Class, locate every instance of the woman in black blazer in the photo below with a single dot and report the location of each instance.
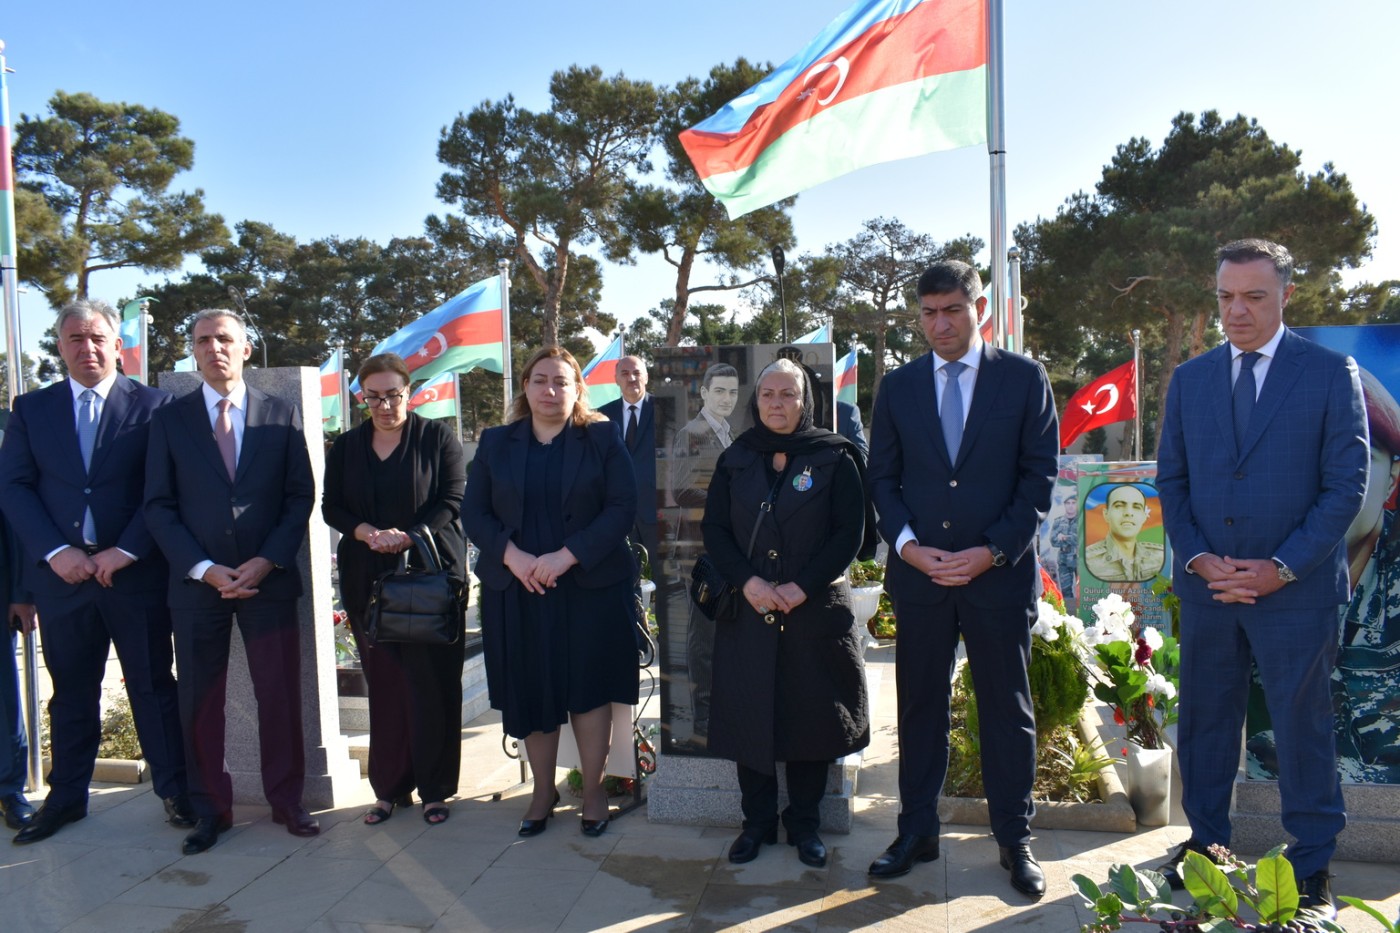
(549, 502)
(393, 472)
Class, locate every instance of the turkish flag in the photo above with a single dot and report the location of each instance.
(1108, 399)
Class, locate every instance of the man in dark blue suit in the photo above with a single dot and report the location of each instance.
(1261, 467)
(18, 607)
(635, 415)
(848, 426)
(228, 494)
(72, 469)
(961, 470)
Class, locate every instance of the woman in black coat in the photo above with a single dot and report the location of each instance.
(394, 472)
(550, 499)
(789, 674)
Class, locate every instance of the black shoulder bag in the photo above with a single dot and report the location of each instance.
(711, 593)
(424, 606)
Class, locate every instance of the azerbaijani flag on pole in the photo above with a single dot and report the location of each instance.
(132, 350)
(330, 393)
(886, 80)
(463, 333)
(600, 375)
(186, 364)
(820, 335)
(845, 380)
(436, 398)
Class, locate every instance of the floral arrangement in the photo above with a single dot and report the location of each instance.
(346, 654)
(1141, 692)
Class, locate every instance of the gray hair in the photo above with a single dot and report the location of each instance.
(85, 309)
(787, 366)
(208, 314)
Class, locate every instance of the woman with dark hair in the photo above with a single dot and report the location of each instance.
(550, 498)
(789, 674)
(388, 475)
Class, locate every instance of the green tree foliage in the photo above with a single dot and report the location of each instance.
(683, 222)
(554, 178)
(1139, 254)
(101, 172)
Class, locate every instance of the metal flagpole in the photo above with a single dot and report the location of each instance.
(344, 388)
(144, 317)
(504, 266)
(1017, 341)
(1137, 395)
(457, 402)
(996, 150)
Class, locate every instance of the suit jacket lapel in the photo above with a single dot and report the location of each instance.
(984, 394)
(1224, 389)
(926, 398)
(252, 420)
(518, 450)
(114, 412)
(646, 413)
(573, 439)
(1284, 370)
(201, 432)
(62, 417)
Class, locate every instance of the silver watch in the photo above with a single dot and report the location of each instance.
(1284, 574)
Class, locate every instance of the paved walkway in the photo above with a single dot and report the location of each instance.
(120, 869)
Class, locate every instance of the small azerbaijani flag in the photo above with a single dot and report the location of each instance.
(436, 398)
(463, 333)
(845, 380)
(132, 351)
(886, 80)
(601, 375)
(186, 364)
(820, 335)
(330, 393)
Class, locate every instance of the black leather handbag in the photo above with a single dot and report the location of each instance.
(421, 606)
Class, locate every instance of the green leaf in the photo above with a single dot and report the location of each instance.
(1208, 884)
(1276, 850)
(1364, 907)
(1088, 888)
(1123, 881)
(1216, 925)
(1109, 905)
(1278, 891)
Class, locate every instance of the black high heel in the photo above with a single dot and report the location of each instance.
(535, 827)
(593, 828)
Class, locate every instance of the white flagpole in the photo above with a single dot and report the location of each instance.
(1137, 394)
(344, 388)
(457, 402)
(504, 266)
(996, 150)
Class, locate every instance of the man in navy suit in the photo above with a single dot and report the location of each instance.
(848, 426)
(961, 470)
(72, 470)
(18, 607)
(635, 415)
(228, 494)
(1261, 467)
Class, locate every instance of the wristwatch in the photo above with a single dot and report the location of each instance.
(1284, 574)
(998, 558)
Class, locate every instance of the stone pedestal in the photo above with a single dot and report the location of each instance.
(331, 776)
(1373, 821)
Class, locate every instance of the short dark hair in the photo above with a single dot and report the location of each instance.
(950, 275)
(718, 371)
(385, 363)
(1251, 249)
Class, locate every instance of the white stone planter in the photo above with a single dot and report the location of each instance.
(865, 602)
(1150, 784)
(648, 593)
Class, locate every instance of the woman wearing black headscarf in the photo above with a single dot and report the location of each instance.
(789, 675)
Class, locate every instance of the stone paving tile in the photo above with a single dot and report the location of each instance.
(21, 866)
(749, 907)
(77, 888)
(646, 885)
(417, 885)
(291, 896)
(507, 898)
(134, 918)
(560, 848)
(199, 881)
(354, 840)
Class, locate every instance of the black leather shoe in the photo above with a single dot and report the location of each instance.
(1026, 874)
(297, 821)
(1171, 868)
(750, 842)
(19, 812)
(1315, 894)
(535, 827)
(47, 821)
(206, 833)
(593, 828)
(810, 849)
(178, 811)
(902, 854)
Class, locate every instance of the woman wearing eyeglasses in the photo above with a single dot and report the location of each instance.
(393, 472)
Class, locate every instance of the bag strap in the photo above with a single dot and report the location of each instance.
(764, 507)
(423, 541)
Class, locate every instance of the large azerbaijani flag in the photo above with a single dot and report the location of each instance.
(600, 375)
(845, 381)
(436, 398)
(462, 334)
(886, 80)
(330, 393)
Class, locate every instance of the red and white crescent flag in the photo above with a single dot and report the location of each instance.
(1108, 399)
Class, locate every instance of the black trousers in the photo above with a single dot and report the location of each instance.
(415, 716)
(806, 784)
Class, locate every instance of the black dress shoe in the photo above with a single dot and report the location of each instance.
(750, 842)
(47, 821)
(206, 833)
(1315, 894)
(1026, 874)
(1171, 868)
(535, 827)
(902, 854)
(297, 821)
(810, 849)
(17, 809)
(178, 811)
(593, 828)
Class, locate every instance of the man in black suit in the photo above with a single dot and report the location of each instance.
(635, 414)
(228, 494)
(71, 475)
(961, 470)
(18, 607)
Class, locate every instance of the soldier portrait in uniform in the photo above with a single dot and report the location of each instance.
(1121, 556)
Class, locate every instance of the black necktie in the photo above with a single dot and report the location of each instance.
(1245, 390)
(630, 438)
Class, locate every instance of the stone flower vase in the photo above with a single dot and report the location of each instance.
(1150, 784)
(865, 602)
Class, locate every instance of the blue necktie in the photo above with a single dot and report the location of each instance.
(950, 412)
(87, 439)
(1245, 391)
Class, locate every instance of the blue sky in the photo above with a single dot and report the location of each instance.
(323, 118)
